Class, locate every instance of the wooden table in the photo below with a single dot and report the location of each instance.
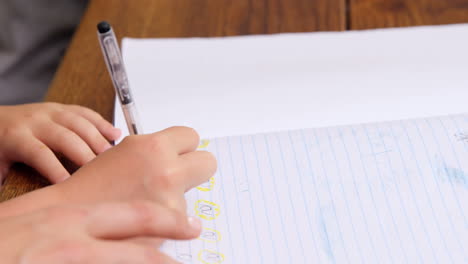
(82, 77)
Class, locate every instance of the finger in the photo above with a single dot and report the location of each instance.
(85, 129)
(177, 203)
(147, 241)
(65, 141)
(197, 167)
(183, 139)
(103, 252)
(38, 156)
(104, 127)
(141, 218)
(110, 252)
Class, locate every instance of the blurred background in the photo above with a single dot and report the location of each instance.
(33, 39)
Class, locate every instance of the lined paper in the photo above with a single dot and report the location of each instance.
(392, 192)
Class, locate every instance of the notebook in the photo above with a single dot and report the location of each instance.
(393, 192)
(312, 167)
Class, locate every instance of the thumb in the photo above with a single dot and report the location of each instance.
(141, 218)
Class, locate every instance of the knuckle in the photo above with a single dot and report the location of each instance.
(148, 143)
(64, 134)
(64, 117)
(130, 140)
(88, 111)
(30, 116)
(38, 109)
(50, 215)
(190, 131)
(167, 178)
(39, 152)
(78, 107)
(54, 214)
(52, 105)
(64, 214)
(144, 215)
(11, 130)
(35, 153)
(157, 142)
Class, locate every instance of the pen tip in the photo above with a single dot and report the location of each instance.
(103, 27)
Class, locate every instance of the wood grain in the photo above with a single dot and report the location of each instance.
(366, 14)
(83, 79)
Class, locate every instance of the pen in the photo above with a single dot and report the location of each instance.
(114, 62)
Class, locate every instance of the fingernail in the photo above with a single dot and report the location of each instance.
(194, 223)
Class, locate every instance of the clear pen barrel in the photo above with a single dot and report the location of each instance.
(131, 117)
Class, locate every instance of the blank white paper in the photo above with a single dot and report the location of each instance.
(255, 84)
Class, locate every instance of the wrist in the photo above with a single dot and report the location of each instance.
(32, 201)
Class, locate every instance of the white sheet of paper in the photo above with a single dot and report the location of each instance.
(390, 192)
(252, 84)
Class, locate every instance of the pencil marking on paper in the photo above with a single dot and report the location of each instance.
(207, 210)
(210, 235)
(207, 186)
(207, 256)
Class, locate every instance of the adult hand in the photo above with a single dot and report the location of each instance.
(102, 233)
(31, 134)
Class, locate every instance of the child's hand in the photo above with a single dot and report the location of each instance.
(32, 133)
(160, 167)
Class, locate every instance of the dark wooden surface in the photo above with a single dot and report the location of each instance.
(365, 14)
(83, 79)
